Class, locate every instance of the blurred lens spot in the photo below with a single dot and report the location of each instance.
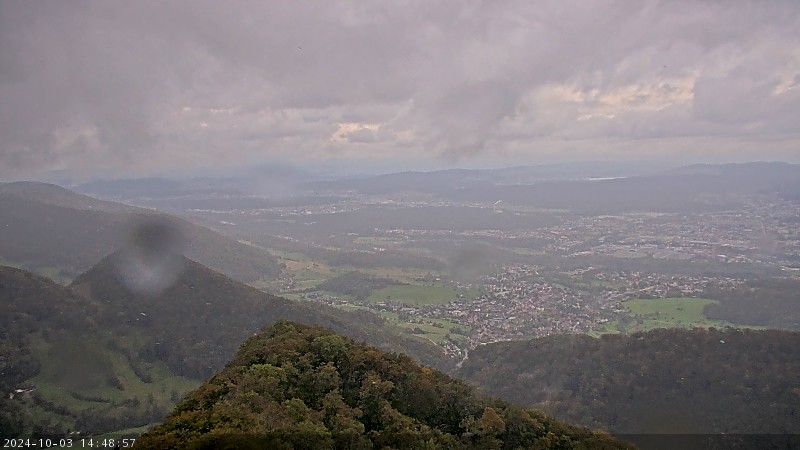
(151, 260)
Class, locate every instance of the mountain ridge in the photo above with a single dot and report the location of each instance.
(294, 386)
(50, 227)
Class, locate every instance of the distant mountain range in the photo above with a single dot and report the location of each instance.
(442, 181)
(593, 188)
(685, 189)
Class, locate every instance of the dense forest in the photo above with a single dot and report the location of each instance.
(771, 303)
(662, 381)
(293, 386)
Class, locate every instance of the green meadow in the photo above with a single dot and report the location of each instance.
(437, 331)
(676, 312)
(418, 295)
(107, 382)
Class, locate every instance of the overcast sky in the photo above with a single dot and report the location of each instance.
(135, 88)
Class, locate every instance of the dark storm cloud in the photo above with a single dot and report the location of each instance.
(154, 86)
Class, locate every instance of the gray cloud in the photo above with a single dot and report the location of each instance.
(143, 87)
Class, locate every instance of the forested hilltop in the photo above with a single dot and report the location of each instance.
(294, 386)
(662, 381)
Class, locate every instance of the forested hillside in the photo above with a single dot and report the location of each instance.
(61, 368)
(770, 302)
(662, 381)
(293, 386)
(49, 229)
(197, 323)
(99, 356)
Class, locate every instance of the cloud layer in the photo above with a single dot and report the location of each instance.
(146, 87)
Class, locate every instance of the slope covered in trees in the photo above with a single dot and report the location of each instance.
(770, 302)
(293, 386)
(662, 381)
(101, 356)
(199, 320)
(62, 369)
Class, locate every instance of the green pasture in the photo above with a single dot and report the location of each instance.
(419, 295)
(649, 314)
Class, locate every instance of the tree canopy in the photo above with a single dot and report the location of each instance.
(295, 386)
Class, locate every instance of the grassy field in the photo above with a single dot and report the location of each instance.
(401, 274)
(648, 314)
(307, 272)
(113, 386)
(412, 294)
(435, 330)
